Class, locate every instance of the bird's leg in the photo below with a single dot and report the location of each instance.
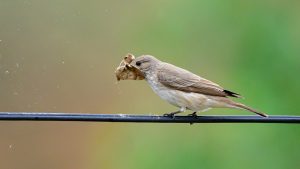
(193, 114)
(182, 109)
(172, 114)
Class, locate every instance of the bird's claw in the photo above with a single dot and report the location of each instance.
(193, 115)
(170, 115)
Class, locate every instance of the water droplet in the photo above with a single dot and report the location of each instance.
(6, 72)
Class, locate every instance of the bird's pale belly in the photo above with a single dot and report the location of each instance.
(192, 101)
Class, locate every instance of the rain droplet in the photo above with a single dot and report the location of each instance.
(6, 72)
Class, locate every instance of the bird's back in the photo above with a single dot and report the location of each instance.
(180, 79)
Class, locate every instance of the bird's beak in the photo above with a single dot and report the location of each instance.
(132, 64)
(137, 69)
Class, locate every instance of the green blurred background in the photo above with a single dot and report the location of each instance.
(60, 56)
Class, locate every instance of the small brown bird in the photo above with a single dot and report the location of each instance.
(184, 89)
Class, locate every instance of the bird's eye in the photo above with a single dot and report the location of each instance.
(138, 63)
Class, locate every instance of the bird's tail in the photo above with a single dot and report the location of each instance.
(242, 106)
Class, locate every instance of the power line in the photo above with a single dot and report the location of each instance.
(34, 116)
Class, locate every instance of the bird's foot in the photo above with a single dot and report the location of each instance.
(170, 114)
(193, 115)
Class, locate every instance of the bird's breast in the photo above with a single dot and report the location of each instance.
(154, 84)
(174, 97)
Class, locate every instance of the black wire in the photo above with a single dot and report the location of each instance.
(28, 116)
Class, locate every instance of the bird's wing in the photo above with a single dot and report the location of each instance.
(180, 79)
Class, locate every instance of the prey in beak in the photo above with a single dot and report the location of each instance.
(128, 71)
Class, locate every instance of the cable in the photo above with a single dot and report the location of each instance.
(32, 116)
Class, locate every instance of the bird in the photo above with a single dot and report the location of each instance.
(184, 89)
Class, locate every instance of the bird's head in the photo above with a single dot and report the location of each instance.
(145, 63)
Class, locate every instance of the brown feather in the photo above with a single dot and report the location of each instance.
(242, 106)
(183, 80)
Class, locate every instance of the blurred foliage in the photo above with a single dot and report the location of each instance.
(59, 56)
